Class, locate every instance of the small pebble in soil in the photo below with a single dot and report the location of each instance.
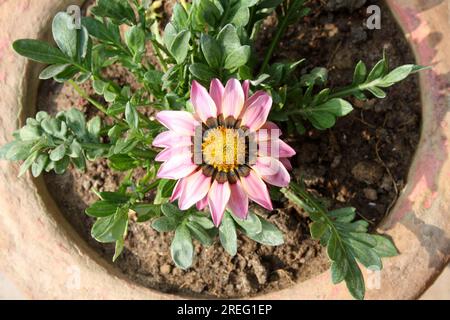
(370, 194)
(369, 172)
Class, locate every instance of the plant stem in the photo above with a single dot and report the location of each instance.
(281, 28)
(159, 56)
(96, 104)
(84, 95)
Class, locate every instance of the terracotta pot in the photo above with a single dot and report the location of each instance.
(41, 257)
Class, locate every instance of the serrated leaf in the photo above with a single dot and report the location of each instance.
(317, 229)
(384, 246)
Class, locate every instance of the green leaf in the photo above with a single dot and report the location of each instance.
(202, 220)
(229, 39)
(135, 39)
(360, 73)
(211, 50)
(199, 233)
(164, 224)
(65, 34)
(337, 107)
(131, 115)
(237, 58)
(251, 225)
(227, 234)
(114, 197)
(76, 121)
(269, 236)
(338, 271)
(378, 71)
(180, 46)
(172, 211)
(182, 250)
(202, 72)
(39, 165)
(40, 51)
(94, 127)
(52, 71)
(170, 33)
(58, 153)
(27, 164)
(100, 31)
(120, 11)
(102, 208)
(30, 133)
(75, 149)
(122, 162)
(343, 214)
(384, 246)
(118, 249)
(377, 92)
(112, 228)
(355, 281)
(317, 229)
(399, 74)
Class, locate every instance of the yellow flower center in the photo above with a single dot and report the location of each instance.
(224, 148)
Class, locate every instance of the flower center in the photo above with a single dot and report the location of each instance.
(224, 148)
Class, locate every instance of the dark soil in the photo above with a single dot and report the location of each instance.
(363, 162)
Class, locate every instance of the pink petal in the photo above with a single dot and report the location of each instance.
(216, 91)
(233, 99)
(257, 190)
(181, 122)
(272, 171)
(238, 203)
(254, 97)
(257, 112)
(171, 139)
(286, 163)
(204, 105)
(269, 131)
(196, 188)
(202, 204)
(218, 197)
(275, 148)
(177, 167)
(179, 187)
(169, 153)
(246, 88)
(286, 151)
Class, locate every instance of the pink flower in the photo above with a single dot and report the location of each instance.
(224, 154)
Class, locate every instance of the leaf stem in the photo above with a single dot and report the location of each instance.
(84, 95)
(281, 28)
